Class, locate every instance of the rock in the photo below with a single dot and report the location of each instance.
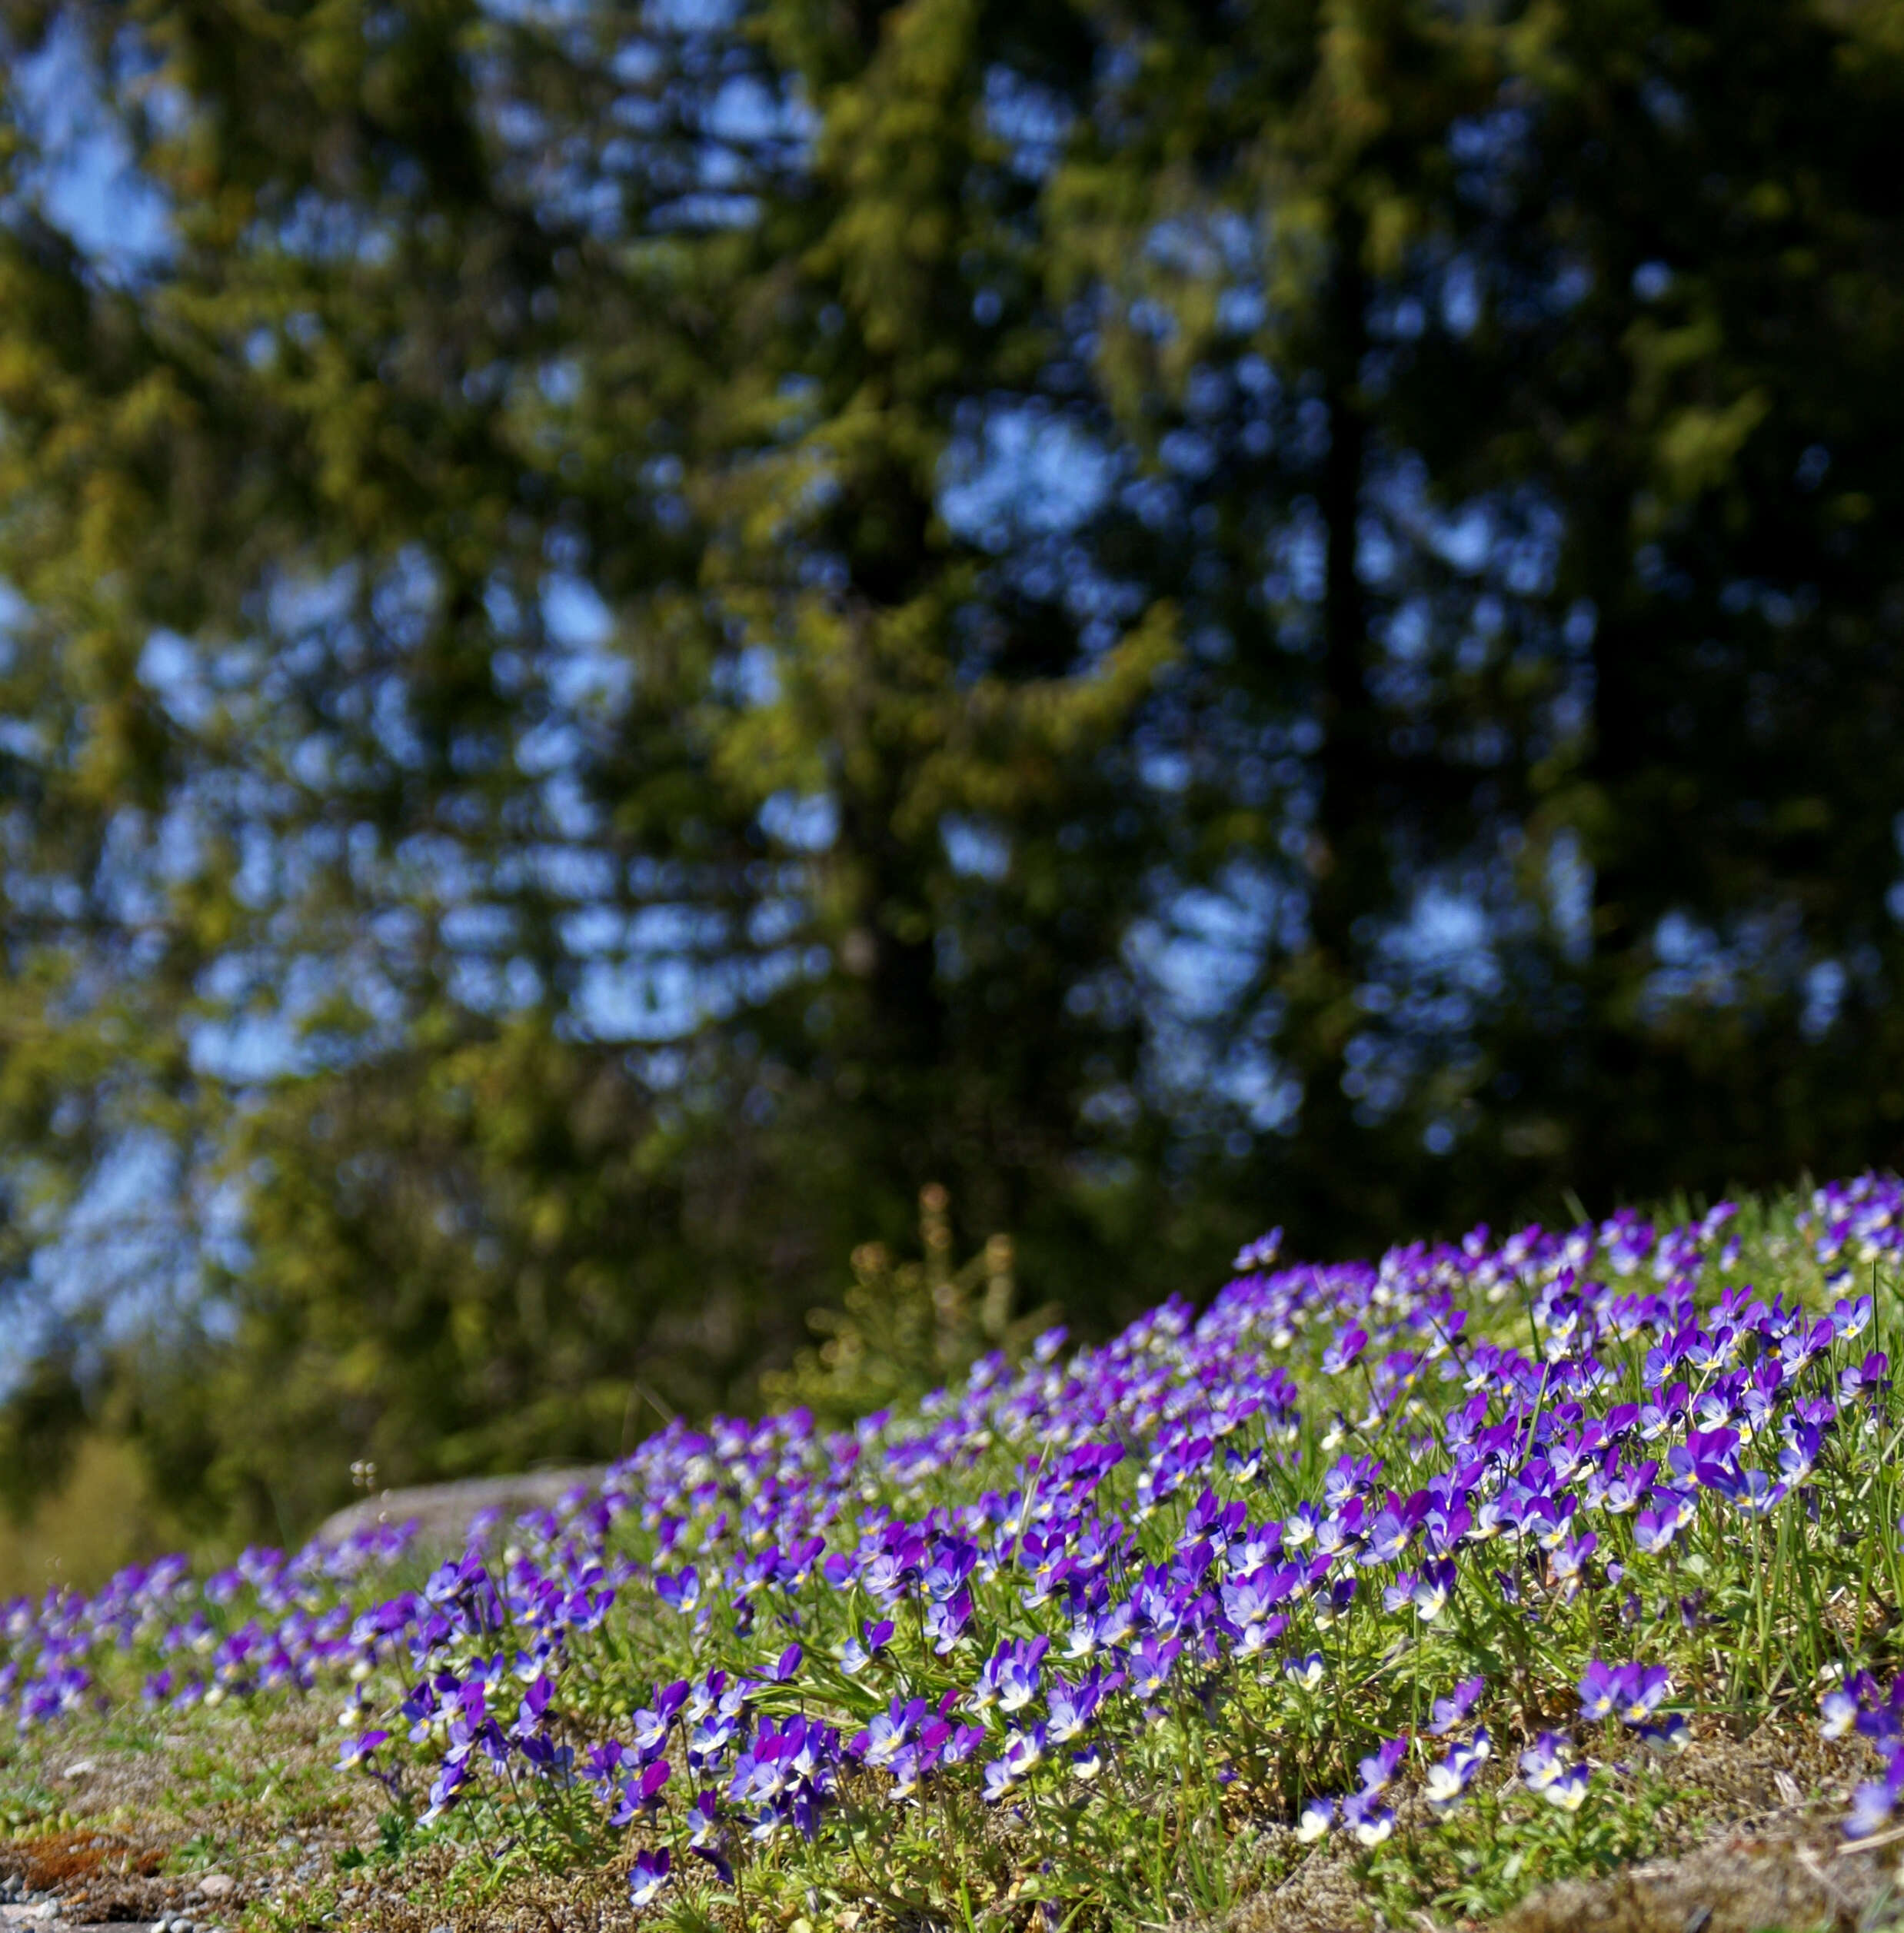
(218, 1886)
(1745, 1880)
(442, 1511)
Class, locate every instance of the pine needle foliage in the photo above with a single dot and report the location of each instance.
(905, 1329)
(631, 630)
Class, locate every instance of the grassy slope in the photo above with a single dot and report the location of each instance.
(1193, 1824)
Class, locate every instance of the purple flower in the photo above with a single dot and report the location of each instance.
(965, 1740)
(1335, 1603)
(445, 1789)
(602, 1764)
(1247, 1605)
(1873, 1802)
(854, 1656)
(1388, 1537)
(1543, 1762)
(1626, 1487)
(1379, 1767)
(1212, 1520)
(1347, 1477)
(1316, 1820)
(1434, 1588)
(1367, 1818)
(1756, 1493)
(651, 1731)
(641, 1794)
(1008, 1679)
(1344, 1351)
(1567, 1562)
(1308, 1670)
(1797, 1456)
(886, 1731)
(1448, 1780)
(704, 1820)
(1151, 1664)
(906, 1769)
(1117, 1624)
(1003, 1775)
(1654, 1530)
(1641, 1687)
(1850, 1317)
(1298, 1528)
(1069, 1709)
(1671, 1734)
(359, 1749)
(1018, 1681)
(647, 1876)
(946, 1620)
(1447, 1712)
(1838, 1711)
(1871, 1807)
(1879, 1718)
(679, 1593)
(714, 1856)
(1599, 1690)
(951, 1565)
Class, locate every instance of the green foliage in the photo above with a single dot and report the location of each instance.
(905, 1329)
(98, 1517)
(632, 632)
(1508, 1845)
(40, 1430)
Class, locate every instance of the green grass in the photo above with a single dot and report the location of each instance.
(1194, 1819)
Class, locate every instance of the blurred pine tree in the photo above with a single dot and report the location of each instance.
(638, 628)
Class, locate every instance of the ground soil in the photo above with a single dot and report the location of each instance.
(121, 1826)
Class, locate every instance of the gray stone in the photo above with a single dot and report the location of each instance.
(442, 1511)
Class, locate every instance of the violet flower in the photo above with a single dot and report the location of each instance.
(1445, 1713)
(647, 1876)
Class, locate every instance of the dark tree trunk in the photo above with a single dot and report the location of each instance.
(1348, 854)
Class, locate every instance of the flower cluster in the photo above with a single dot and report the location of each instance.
(1859, 1704)
(1632, 1693)
(1294, 1518)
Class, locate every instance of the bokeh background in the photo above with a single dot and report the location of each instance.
(629, 632)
